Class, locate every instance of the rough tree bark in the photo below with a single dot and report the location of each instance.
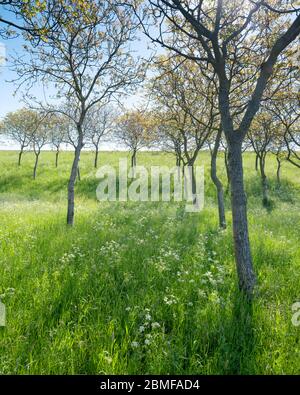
(217, 181)
(244, 265)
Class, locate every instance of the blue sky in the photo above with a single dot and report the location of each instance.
(11, 102)
(8, 48)
(7, 101)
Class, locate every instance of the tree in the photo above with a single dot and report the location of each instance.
(19, 126)
(279, 150)
(292, 140)
(262, 135)
(230, 39)
(58, 125)
(168, 138)
(18, 17)
(40, 137)
(86, 59)
(214, 176)
(99, 124)
(286, 110)
(187, 102)
(135, 129)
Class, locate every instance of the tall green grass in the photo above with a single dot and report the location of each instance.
(142, 287)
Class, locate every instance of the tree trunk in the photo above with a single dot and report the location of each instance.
(78, 173)
(36, 164)
(256, 162)
(56, 157)
(133, 163)
(217, 182)
(264, 180)
(96, 158)
(178, 163)
(133, 159)
(243, 256)
(20, 156)
(71, 185)
(278, 171)
(189, 176)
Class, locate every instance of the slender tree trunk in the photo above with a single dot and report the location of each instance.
(37, 154)
(217, 182)
(133, 163)
(243, 256)
(178, 163)
(78, 173)
(278, 171)
(56, 157)
(96, 158)
(71, 185)
(20, 156)
(264, 180)
(190, 181)
(256, 161)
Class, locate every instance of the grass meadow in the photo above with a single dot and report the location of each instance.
(143, 288)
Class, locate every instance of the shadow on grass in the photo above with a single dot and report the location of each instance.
(13, 182)
(285, 192)
(237, 351)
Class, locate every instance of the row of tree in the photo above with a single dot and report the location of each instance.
(32, 129)
(189, 119)
(176, 124)
(228, 66)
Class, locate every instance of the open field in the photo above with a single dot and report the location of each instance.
(142, 288)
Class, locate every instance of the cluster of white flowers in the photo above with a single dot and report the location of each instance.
(164, 258)
(70, 256)
(170, 299)
(111, 249)
(147, 331)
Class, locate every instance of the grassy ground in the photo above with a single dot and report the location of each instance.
(142, 287)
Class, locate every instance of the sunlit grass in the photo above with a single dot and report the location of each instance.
(142, 287)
